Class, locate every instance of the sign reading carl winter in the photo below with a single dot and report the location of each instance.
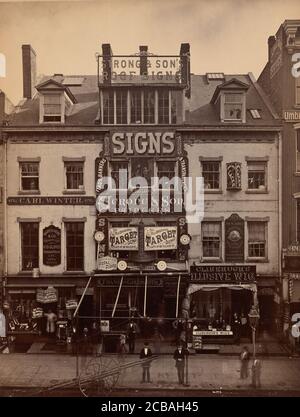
(160, 238)
(51, 246)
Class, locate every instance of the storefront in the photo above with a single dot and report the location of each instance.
(220, 298)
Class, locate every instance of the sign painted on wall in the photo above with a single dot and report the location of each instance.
(160, 238)
(123, 238)
(51, 201)
(143, 143)
(223, 273)
(291, 116)
(51, 246)
(234, 239)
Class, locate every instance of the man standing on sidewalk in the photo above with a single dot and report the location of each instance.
(256, 373)
(131, 333)
(244, 357)
(179, 357)
(146, 353)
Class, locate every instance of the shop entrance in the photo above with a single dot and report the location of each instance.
(86, 309)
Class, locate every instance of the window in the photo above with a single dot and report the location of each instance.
(75, 246)
(233, 106)
(166, 169)
(297, 101)
(29, 176)
(211, 175)
(52, 107)
(30, 245)
(121, 106)
(74, 175)
(257, 175)
(173, 107)
(256, 239)
(108, 107)
(135, 106)
(255, 114)
(115, 167)
(149, 106)
(211, 239)
(163, 106)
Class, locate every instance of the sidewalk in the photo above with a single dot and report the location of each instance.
(213, 372)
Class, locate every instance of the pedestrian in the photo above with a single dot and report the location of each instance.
(122, 344)
(131, 333)
(179, 357)
(244, 357)
(236, 325)
(51, 320)
(256, 373)
(243, 325)
(146, 355)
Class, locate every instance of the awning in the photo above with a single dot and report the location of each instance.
(213, 287)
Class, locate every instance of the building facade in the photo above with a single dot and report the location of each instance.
(280, 80)
(114, 250)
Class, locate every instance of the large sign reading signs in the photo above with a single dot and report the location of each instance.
(223, 274)
(143, 143)
(123, 238)
(160, 238)
(51, 246)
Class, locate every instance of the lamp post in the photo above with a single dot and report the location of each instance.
(253, 320)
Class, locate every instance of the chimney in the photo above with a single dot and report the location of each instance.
(29, 71)
(2, 107)
(271, 42)
(185, 68)
(143, 60)
(107, 64)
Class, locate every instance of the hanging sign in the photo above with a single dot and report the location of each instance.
(123, 238)
(107, 263)
(51, 246)
(160, 238)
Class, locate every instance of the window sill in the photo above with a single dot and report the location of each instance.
(256, 191)
(29, 192)
(26, 273)
(77, 192)
(257, 260)
(211, 260)
(74, 272)
(213, 191)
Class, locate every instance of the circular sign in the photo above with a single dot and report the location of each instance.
(185, 239)
(122, 265)
(99, 236)
(161, 265)
(234, 236)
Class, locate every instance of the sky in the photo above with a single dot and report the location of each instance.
(225, 35)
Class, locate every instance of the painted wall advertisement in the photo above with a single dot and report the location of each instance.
(160, 238)
(123, 238)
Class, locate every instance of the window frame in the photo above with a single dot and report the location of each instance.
(67, 248)
(68, 162)
(213, 161)
(22, 225)
(35, 161)
(243, 106)
(63, 98)
(265, 224)
(212, 258)
(258, 162)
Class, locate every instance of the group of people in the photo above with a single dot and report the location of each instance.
(179, 357)
(256, 368)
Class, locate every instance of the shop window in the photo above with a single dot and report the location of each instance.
(163, 106)
(256, 239)
(166, 169)
(298, 151)
(108, 107)
(136, 107)
(30, 245)
(74, 175)
(257, 175)
(75, 246)
(233, 106)
(211, 175)
(149, 106)
(211, 239)
(29, 176)
(52, 108)
(142, 167)
(297, 95)
(121, 106)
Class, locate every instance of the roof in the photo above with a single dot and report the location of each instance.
(199, 109)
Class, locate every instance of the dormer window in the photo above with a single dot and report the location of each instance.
(233, 106)
(52, 107)
(55, 101)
